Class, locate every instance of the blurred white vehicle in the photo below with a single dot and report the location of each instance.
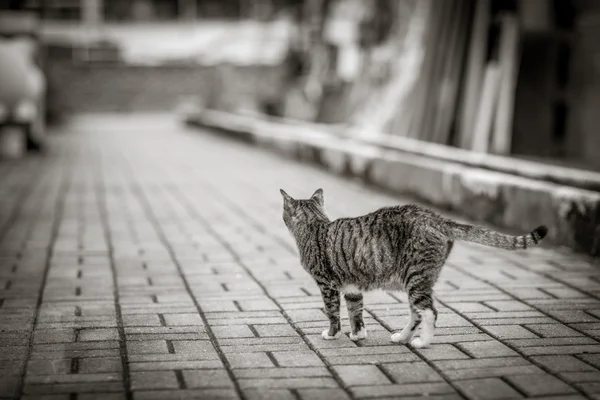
(22, 93)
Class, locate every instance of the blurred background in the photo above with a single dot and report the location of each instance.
(508, 77)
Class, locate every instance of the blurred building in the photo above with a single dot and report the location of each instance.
(511, 77)
(149, 10)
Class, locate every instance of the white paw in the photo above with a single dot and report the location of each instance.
(325, 335)
(401, 337)
(418, 343)
(362, 334)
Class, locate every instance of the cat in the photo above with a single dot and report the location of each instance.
(394, 248)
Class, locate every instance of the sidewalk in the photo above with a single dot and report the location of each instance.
(143, 260)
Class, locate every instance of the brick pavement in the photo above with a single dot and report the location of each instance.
(141, 260)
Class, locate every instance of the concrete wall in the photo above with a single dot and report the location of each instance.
(119, 88)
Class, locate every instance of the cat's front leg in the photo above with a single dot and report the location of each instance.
(331, 299)
(354, 303)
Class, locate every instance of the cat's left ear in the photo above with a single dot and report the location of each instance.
(286, 196)
(318, 197)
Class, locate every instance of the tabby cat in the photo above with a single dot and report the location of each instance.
(393, 248)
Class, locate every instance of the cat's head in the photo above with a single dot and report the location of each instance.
(299, 211)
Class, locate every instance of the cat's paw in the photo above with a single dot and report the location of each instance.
(401, 337)
(418, 343)
(362, 334)
(325, 335)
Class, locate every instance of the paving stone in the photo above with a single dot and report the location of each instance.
(575, 349)
(207, 378)
(101, 396)
(275, 330)
(492, 372)
(53, 355)
(167, 336)
(283, 372)
(490, 388)
(150, 346)
(99, 365)
(98, 387)
(183, 319)
(540, 385)
(98, 334)
(443, 352)
(481, 363)
(255, 341)
(141, 380)
(141, 320)
(591, 376)
(297, 359)
(508, 305)
(510, 332)
(174, 365)
(269, 394)
(217, 394)
(486, 349)
(206, 356)
(593, 359)
(232, 331)
(355, 375)
(476, 337)
(75, 346)
(561, 341)
(54, 336)
(394, 391)
(289, 383)
(296, 346)
(562, 363)
(322, 394)
(193, 347)
(249, 360)
(470, 307)
(48, 367)
(553, 330)
(415, 372)
(73, 378)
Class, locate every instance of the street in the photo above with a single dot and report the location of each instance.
(143, 259)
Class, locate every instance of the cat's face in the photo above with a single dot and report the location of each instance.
(302, 211)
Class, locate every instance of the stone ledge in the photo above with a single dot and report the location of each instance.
(513, 201)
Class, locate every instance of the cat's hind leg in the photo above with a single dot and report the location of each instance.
(422, 302)
(409, 330)
(331, 299)
(354, 303)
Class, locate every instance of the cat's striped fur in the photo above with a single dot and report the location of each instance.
(393, 248)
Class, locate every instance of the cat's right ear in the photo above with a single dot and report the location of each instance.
(286, 196)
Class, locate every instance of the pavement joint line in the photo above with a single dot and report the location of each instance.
(100, 192)
(150, 214)
(289, 320)
(432, 365)
(512, 385)
(59, 207)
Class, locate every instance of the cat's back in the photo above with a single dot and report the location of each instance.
(397, 215)
(383, 225)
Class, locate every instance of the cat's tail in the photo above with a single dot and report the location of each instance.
(477, 234)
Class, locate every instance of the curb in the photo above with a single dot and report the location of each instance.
(514, 201)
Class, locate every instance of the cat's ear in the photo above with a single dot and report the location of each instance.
(286, 196)
(318, 197)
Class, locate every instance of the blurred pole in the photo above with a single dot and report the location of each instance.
(187, 10)
(92, 19)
